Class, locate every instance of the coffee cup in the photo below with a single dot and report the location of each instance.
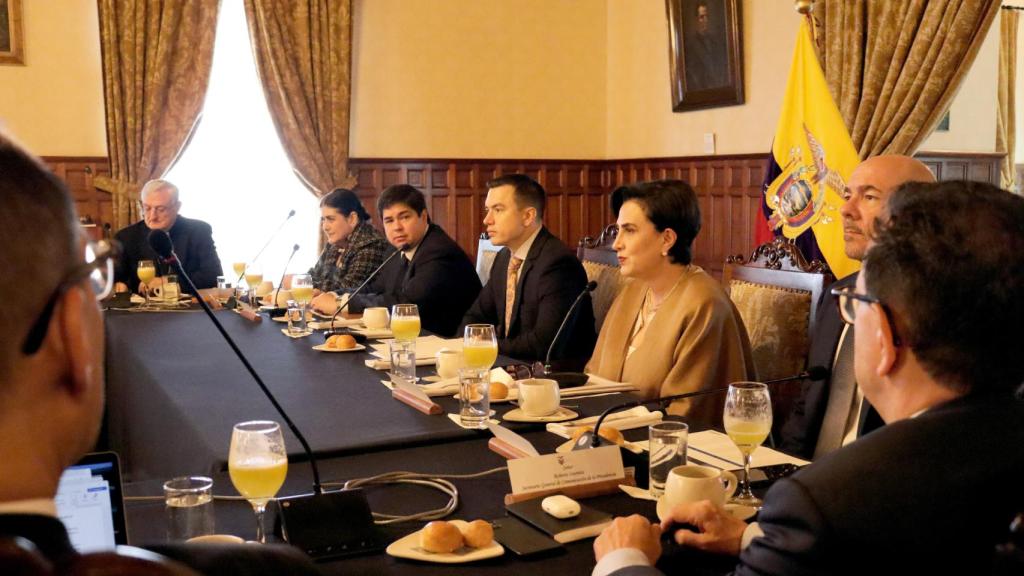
(376, 318)
(448, 363)
(538, 397)
(168, 291)
(693, 483)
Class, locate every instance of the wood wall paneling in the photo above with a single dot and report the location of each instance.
(78, 173)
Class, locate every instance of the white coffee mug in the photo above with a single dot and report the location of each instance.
(693, 483)
(448, 363)
(376, 318)
(167, 291)
(538, 397)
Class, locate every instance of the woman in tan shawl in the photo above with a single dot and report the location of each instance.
(672, 328)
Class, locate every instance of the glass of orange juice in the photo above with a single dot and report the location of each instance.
(258, 464)
(480, 346)
(147, 272)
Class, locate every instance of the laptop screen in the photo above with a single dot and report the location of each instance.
(90, 504)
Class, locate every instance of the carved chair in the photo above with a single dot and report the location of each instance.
(602, 266)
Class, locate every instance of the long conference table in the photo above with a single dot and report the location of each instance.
(175, 389)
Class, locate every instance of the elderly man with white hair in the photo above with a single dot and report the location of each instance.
(193, 240)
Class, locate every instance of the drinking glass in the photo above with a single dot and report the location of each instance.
(302, 293)
(189, 507)
(258, 464)
(748, 420)
(474, 397)
(253, 278)
(667, 450)
(405, 322)
(403, 359)
(172, 290)
(480, 346)
(147, 272)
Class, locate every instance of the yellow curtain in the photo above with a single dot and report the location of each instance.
(894, 66)
(156, 66)
(1006, 119)
(303, 54)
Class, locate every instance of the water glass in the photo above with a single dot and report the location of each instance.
(189, 505)
(667, 450)
(172, 290)
(474, 397)
(403, 359)
(297, 319)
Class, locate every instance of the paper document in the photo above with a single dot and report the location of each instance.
(426, 347)
(715, 448)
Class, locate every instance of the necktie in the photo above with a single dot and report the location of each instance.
(510, 289)
(842, 391)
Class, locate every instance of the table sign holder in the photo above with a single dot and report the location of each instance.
(506, 450)
(427, 407)
(578, 491)
(579, 474)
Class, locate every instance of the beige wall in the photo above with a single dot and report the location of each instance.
(640, 118)
(54, 104)
(479, 79)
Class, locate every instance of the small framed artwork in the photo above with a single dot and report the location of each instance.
(705, 53)
(12, 42)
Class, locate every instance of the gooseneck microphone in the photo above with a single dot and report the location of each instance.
(323, 524)
(592, 439)
(358, 289)
(283, 274)
(267, 243)
(572, 309)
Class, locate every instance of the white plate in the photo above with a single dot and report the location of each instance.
(284, 319)
(561, 415)
(324, 348)
(737, 511)
(409, 547)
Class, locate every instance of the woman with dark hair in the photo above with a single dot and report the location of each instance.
(354, 249)
(672, 329)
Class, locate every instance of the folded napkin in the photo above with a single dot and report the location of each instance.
(426, 346)
(626, 420)
(374, 334)
(596, 389)
(382, 364)
(458, 421)
(290, 335)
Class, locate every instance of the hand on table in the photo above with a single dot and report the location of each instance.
(719, 532)
(158, 281)
(325, 303)
(120, 287)
(630, 532)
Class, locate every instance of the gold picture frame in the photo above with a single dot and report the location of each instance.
(12, 41)
(705, 53)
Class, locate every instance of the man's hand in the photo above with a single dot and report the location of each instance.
(326, 303)
(158, 281)
(630, 532)
(719, 532)
(120, 287)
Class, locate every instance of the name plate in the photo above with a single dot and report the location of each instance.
(556, 471)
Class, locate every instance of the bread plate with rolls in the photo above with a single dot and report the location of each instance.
(340, 343)
(451, 542)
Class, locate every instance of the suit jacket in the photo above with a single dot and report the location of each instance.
(800, 431)
(696, 341)
(550, 280)
(193, 243)
(928, 495)
(51, 538)
(440, 280)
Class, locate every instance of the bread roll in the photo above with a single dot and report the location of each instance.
(478, 534)
(609, 433)
(499, 391)
(440, 537)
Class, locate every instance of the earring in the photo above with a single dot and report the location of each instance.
(664, 254)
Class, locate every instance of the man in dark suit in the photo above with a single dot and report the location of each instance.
(432, 272)
(821, 421)
(938, 309)
(51, 366)
(193, 241)
(534, 280)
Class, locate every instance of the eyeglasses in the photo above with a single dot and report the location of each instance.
(158, 210)
(525, 371)
(848, 310)
(98, 268)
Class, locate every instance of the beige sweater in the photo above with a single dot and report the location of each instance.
(696, 340)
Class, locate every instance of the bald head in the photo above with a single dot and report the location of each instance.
(869, 187)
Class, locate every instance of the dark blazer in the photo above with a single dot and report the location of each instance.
(799, 434)
(193, 243)
(927, 495)
(51, 538)
(550, 279)
(440, 280)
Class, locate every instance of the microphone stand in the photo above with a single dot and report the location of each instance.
(551, 348)
(283, 274)
(344, 306)
(269, 240)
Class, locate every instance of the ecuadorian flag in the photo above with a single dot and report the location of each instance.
(812, 156)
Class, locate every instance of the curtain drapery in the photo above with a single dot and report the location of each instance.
(894, 67)
(1006, 119)
(303, 54)
(156, 56)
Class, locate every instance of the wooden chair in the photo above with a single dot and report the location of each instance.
(486, 252)
(602, 266)
(777, 293)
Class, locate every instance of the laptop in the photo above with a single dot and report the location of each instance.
(90, 503)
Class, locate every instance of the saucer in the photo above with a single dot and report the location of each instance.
(737, 511)
(324, 348)
(561, 415)
(409, 547)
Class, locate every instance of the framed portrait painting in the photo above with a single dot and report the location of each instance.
(705, 53)
(12, 43)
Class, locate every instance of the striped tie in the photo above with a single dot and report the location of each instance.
(510, 290)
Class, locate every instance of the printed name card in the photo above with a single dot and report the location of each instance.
(556, 471)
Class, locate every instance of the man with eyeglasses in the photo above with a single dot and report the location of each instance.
(938, 309)
(52, 369)
(831, 413)
(193, 241)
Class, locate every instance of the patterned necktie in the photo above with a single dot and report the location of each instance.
(510, 289)
(842, 392)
